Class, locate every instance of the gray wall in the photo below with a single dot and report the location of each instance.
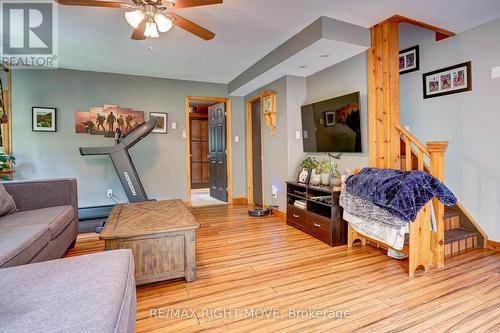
(469, 121)
(341, 79)
(159, 159)
(274, 148)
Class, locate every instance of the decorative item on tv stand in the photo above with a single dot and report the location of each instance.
(329, 173)
(312, 164)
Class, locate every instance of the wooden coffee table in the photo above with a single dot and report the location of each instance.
(161, 235)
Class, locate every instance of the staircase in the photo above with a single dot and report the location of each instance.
(460, 234)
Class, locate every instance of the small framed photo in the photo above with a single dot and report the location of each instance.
(304, 176)
(330, 118)
(409, 60)
(162, 124)
(449, 80)
(44, 119)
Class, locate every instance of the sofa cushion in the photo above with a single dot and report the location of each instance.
(56, 218)
(7, 204)
(20, 243)
(91, 293)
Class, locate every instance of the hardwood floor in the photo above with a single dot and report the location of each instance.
(257, 270)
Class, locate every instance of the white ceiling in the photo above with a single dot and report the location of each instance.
(98, 39)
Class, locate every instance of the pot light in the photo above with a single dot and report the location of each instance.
(151, 31)
(163, 23)
(135, 18)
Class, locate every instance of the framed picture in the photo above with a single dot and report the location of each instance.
(449, 80)
(162, 124)
(330, 118)
(43, 119)
(409, 60)
(304, 176)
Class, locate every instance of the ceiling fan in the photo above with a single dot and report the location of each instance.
(150, 17)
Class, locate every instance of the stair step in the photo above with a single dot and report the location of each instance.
(450, 213)
(454, 235)
(455, 240)
(458, 240)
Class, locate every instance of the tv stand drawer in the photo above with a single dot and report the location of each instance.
(311, 223)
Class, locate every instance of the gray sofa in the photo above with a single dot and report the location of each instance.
(90, 293)
(46, 224)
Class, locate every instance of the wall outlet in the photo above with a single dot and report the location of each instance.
(236, 139)
(109, 192)
(297, 135)
(495, 72)
(274, 191)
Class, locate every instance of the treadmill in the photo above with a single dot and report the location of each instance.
(123, 163)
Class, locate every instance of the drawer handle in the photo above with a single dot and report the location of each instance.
(296, 216)
(317, 224)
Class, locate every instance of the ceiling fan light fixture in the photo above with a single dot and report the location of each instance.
(164, 24)
(135, 18)
(151, 31)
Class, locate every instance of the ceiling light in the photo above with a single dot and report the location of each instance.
(324, 56)
(135, 18)
(302, 66)
(164, 24)
(151, 30)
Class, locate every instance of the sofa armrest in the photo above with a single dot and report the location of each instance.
(36, 194)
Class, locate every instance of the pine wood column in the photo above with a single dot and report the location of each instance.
(383, 96)
(437, 149)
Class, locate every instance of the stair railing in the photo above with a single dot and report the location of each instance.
(430, 158)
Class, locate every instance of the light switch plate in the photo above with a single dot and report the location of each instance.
(236, 139)
(174, 125)
(495, 72)
(184, 133)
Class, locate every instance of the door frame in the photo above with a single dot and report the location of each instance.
(229, 159)
(249, 120)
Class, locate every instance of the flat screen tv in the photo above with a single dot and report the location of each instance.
(333, 125)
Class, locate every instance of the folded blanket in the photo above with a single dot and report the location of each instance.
(403, 193)
(364, 208)
(394, 237)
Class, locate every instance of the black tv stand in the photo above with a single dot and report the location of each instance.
(322, 216)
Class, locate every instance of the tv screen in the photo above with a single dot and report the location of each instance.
(333, 125)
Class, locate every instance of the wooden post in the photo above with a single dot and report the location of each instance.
(383, 96)
(437, 150)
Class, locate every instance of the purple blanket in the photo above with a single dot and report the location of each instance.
(403, 193)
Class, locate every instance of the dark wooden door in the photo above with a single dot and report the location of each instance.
(256, 154)
(217, 148)
(200, 164)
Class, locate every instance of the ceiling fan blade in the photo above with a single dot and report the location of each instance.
(192, 27)
(194, 3)
(95, 3)
(138, 33)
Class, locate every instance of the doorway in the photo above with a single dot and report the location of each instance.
(254, 152)
(208, 151)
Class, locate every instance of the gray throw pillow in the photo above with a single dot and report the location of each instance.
(7, 204)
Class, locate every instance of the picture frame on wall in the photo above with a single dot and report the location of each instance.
(409, 60)
(43, 119)
(330, 118)
(449, 80)
(162, 125)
